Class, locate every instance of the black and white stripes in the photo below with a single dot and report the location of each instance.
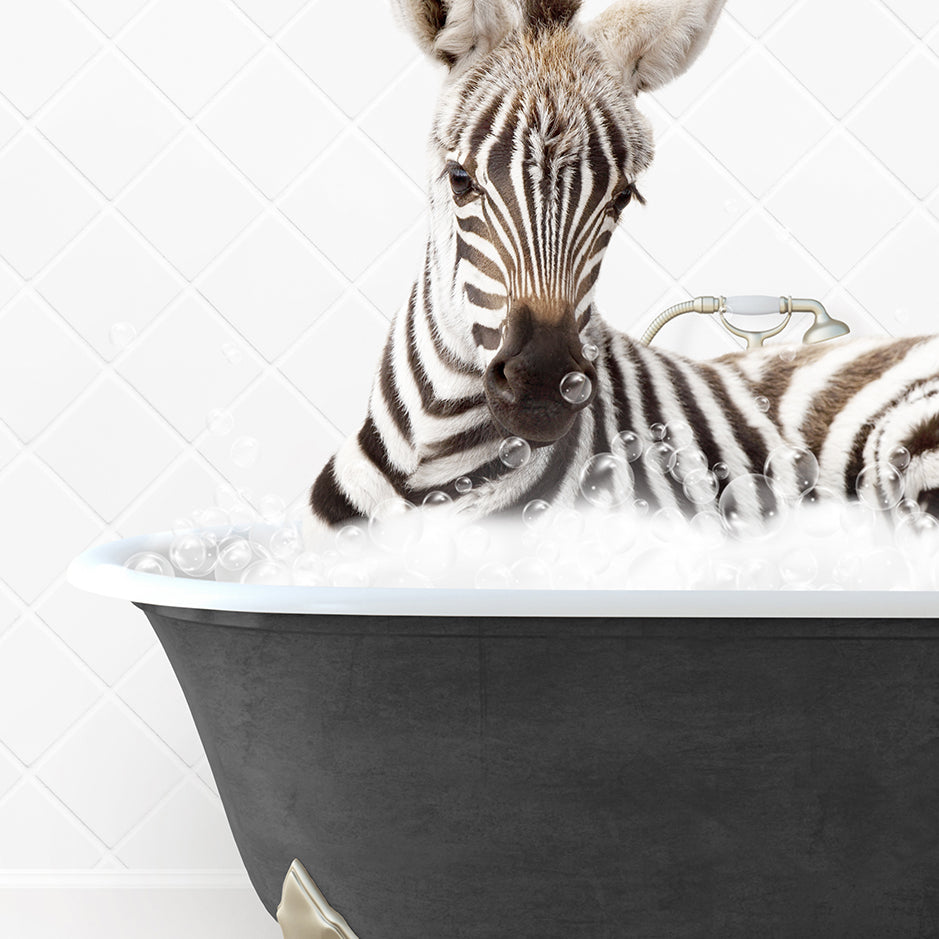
(535, 150)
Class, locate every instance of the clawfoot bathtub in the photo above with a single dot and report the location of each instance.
(541, 764)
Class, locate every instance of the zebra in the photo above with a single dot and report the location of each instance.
(535, 152)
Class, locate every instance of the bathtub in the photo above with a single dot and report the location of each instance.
(545, 764)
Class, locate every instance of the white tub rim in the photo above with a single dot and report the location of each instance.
(101, 570)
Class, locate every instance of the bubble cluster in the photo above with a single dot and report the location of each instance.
(775, 530)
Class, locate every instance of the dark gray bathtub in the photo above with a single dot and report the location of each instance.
(543, 777)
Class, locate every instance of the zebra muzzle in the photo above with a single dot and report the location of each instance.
(523, 381)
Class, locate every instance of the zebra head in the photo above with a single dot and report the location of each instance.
(535, 150)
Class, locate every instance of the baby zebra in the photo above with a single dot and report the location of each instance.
(535, 150)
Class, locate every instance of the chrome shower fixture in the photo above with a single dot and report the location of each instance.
(824, 327)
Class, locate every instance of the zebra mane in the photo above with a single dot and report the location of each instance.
(552, 12)
(450, 30)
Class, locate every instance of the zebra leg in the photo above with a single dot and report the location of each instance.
(354, 481)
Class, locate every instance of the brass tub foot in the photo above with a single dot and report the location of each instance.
(303, 912)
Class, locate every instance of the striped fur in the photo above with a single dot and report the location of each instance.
(544, 126)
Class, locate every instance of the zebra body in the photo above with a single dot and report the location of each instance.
(535, 150)
(851, 403)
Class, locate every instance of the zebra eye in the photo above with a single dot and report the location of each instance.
(622, 199)
(460, 181)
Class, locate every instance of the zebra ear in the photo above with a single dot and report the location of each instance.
(450, 30)
(654, 41)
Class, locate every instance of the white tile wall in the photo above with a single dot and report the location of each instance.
(236, 185)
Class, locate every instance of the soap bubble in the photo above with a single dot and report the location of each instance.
(628, 445)
(640, 507)
(494, 576)
(792, 466)
(241, 514)
(436, 498)
(788, 353)
(657, 431)
(576, 388)
(265, 572)
(762, 403)
(593, 558)
(285, 543)
(758, 573)
(700, 487)
(245, 451)
(514, 452)
(349, 575)
(900, 457)
(591, 351)
(234, 554)
(272, 509)
(752, 507)
(535, 514)
(820, 512)
(122, 335)
(721, 470)
(193, 554)
(858, 520)
(182, 524)
(707, 528)
(918, 535)
(799, 567)
(567, 525)
(659, 458)
(687, 460)
(219, 422)
(225, 496)
(232, 352)
(260, 537)
(463, 485)
(907, 508)
(880, 486)
(214, 518)
(531, 573)
(606, 481)
(395, 525)
(678, 434)
(435, 553)
(656, 569)
(308, 570)
(667, 523)
(474, 542)
(149, 562)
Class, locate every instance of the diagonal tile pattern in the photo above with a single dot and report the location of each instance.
(215, 203)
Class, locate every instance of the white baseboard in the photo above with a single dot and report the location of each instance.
(114, 905)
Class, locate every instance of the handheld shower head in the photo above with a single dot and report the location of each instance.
(825, 327)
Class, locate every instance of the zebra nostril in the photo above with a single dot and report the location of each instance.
(499, 382)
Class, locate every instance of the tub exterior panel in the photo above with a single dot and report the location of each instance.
(478, 778)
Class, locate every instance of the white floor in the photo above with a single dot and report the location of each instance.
(137, 912)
